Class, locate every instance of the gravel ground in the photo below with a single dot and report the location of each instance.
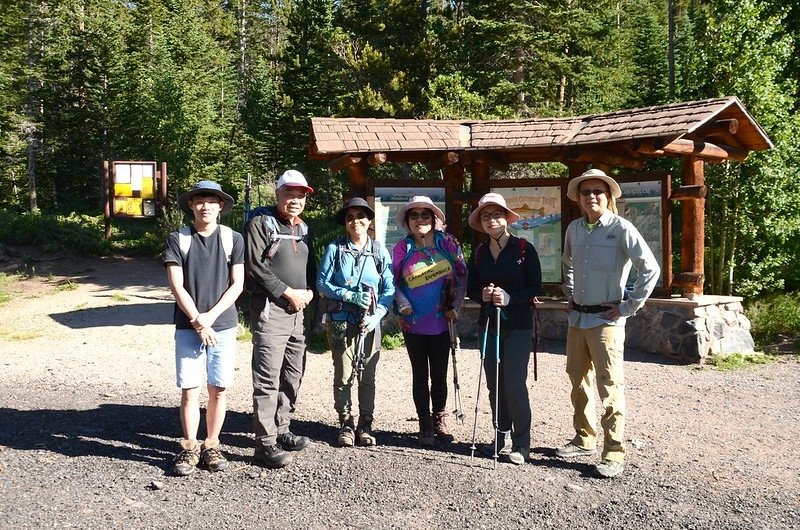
(89, 427)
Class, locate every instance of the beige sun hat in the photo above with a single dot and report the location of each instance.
(488, 200)
(419, 201)
(572, 188)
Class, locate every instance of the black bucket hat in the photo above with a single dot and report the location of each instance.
(205, 187)
(355, 202)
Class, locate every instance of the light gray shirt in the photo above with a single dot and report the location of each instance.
(596, 265)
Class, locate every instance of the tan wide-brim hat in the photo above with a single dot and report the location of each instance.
(572, 188)
(419, 201)
(488, 200)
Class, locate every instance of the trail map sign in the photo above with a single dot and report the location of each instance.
(134, 185)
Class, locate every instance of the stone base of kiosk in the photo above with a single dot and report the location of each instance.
(687, 329)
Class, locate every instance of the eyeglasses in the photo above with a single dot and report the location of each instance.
(425, 216)
(596, 192)
(352, 217)
(499, 214)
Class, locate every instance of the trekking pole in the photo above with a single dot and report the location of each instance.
(247, 188)
(360, 354)
(537, 329)
(454, 347)
(496, 386)
(478, 394)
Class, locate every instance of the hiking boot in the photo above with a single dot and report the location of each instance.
(504, 447)
(440, 427)
(364, 430)
(609, 468)
(187, 460)
(212, 457)
(426, 431)
(572, 451)
(271, 456)
(519, 455)
(347, 434)
(292, 442)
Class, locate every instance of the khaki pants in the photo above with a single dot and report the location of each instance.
(342, 339)
(597, 354)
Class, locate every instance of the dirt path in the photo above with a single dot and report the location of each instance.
(88, 426)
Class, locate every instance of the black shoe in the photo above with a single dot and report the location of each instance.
(292, 442)
(272, 456)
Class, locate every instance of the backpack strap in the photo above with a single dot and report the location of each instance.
(225, 234)
(184, 240)
(375, 251)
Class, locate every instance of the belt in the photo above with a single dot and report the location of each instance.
(591, 308)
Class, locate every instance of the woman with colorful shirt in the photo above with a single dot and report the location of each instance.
(505, 273)
(430, 283)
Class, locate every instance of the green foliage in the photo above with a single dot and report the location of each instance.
(392, 341)
(221, 90)
(774, 315)
(74, 232)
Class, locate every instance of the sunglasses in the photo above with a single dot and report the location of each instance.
(596, 192)
(500, 214)
(425, 216)
(352, 217)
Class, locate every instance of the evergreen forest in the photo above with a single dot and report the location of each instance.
(220, 89)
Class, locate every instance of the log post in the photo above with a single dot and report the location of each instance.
(358, 172)
(480, 186)
(454, 184)
(693, 221)
(108, 197)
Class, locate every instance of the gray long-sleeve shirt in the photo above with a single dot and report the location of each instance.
(596, 265)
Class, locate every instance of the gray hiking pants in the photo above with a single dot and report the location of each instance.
(514, 412)
(279, 360)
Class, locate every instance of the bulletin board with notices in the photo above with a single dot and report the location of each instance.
(134, 189)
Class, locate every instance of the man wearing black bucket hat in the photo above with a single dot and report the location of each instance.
(205, 267)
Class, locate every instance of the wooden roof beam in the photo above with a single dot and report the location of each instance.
(344, 162)
(376, 159)
(606, 158)
(682, 147)
(442, 161)
(490, 158)
(720, 126)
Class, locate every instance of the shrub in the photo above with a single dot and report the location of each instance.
(773, 315)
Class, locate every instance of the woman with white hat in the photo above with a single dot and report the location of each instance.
(505, 273)
(356, 287)
(430, 283)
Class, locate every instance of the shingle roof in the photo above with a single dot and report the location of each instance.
(331, 137)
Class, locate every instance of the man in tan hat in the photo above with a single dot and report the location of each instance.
(205, 268)
(279, 272)
(599, 250)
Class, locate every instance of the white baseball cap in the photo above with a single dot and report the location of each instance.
(295, 179)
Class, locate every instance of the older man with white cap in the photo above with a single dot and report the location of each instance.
(599, 250)
(279, 272)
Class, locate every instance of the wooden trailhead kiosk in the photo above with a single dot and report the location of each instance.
(696, 132)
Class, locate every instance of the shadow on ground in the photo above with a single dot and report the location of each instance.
(124, 314)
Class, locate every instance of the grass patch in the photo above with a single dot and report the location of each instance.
(738, 361)
(117, 297)
(6, 281)
(67, 285)
(16, 336)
